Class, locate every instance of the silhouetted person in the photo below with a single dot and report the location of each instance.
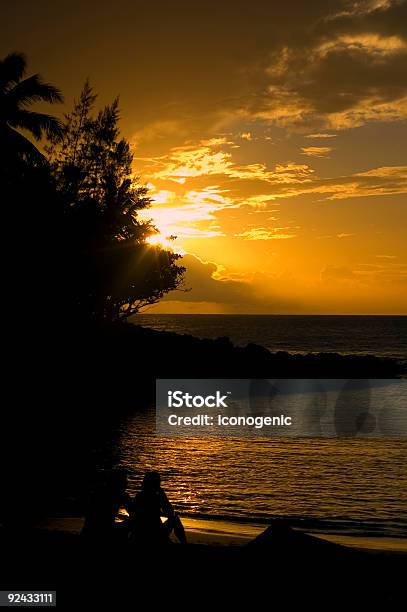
(149, 505)
(107, 497)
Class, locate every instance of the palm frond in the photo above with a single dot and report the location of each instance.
(12, 69)
(37, 123)
(33, 89)
(19, 146)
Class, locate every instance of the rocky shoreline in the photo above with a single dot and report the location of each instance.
(168, 354)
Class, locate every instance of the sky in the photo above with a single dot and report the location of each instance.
(272, 135)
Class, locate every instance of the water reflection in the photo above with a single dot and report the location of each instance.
(352, 484)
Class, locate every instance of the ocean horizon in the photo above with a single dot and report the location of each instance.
(380, 335)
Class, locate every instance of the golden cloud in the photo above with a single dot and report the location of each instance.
(316, 151)
(262, 233)
(190, 209)
(321, 135)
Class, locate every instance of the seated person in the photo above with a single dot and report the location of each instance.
(147, 508)
(105, 500)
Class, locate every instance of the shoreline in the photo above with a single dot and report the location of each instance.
(210, 326)
(215, 357)
(215, 533)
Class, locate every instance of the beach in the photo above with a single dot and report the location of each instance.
(215, 533)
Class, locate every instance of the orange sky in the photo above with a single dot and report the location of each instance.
(272, 137)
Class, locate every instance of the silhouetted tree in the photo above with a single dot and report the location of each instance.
(110, 270)
(16, 94)
(27, 191)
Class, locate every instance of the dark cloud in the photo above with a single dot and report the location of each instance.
(197, 62)
(234, 295)
(167, 59)
(203, 287)
(350, 68)
(382, 17)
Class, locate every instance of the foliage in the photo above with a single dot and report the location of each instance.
(113, 271)
(16, 94)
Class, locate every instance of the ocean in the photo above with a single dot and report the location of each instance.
(346, 486)
(377, 335)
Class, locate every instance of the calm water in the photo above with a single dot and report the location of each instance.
(378, 335)
(348, 486)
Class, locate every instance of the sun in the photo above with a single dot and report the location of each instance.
(160, 240)
(165, 242)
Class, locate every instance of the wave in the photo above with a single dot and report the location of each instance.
(334, 525)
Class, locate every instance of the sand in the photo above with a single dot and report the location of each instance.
(226, 533)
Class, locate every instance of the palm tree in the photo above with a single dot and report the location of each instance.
(16, 94)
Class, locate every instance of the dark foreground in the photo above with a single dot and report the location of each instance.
(72, 385)
(166, 354)
(69, 392)
(285, 566)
